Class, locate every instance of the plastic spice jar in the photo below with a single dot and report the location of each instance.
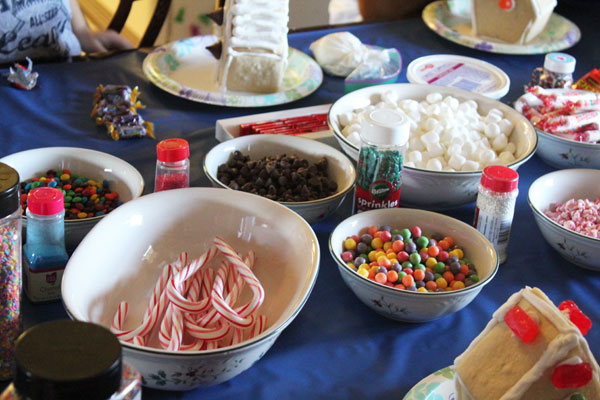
(68, 360)
(172, 165)
(496, 200)
(10, 267)
(384, 135)
(557, 72)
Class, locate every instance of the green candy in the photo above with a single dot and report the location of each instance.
(68, 199)
(77, 199)
(395, 232)
(422, 242)
(577, 396)
(421, 267)
(439, 268)
(474, 278)
(405, 234)
(415, 258)
(407, 264)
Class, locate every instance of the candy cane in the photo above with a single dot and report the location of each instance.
(175, 290)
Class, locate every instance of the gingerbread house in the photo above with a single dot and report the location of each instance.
(252, 47)
(530, 350)
(511, 21)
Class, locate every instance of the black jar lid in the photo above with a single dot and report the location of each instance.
(67, 360)
(9, 190)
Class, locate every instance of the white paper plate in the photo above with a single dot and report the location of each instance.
(186, 69)
(559, 34)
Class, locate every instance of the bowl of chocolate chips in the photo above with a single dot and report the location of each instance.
(307, 176)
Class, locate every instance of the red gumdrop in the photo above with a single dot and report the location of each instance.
(522, 325)
(572, 375)
(576, 316)
(505, 4)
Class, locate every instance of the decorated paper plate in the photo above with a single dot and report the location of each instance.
(437, 386)
(559, 34)
(186, 69)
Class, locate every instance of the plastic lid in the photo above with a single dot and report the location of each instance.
(9, 190)
(499, 178)
(46, 201)
(461, 72)
(559, 62)
(385, 126)
(67, 360)
(172, 150)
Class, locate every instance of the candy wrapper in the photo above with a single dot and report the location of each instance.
(115, 106)
(21, 77)
(590, 81)
(342, 54)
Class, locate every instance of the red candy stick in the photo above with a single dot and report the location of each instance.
(521, 324)
(576, 316)
(572, 375)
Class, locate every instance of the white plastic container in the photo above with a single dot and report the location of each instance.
(461, 72)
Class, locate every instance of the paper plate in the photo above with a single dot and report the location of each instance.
(186, 69)
(437, 386)
(559, 34)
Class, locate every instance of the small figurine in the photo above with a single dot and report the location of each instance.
(21, 77)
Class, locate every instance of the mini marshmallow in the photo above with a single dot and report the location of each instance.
(414, 156)
(429, 124)
(433, 98)
(468, 149)
(499, 143)
(434, 165)
(409, 105)
(456, 161)
(452, 102)
(434, 149)
(470, 166)
(345, 118)
(454, 149)
(409, 164)
(506, 157)
(492, 130)
(506, 126)
(415, 143)
(434, 109)
(354, 138)
(430, 137)
(487, 156)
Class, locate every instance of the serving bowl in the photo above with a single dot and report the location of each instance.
(420, 185)
(133, 243)
(122, 177)
(340, 168)
(564, 153)
(408, 306)
(559, 187)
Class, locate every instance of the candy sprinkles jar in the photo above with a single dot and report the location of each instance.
(557, 72)
(10, 267)
(384, 135)
(71, 360)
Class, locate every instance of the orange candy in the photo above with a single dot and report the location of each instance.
(408, 280)
(448, 276)
(419, 274)
(457, 285)
(392, 276)
(449, 240)
(372, 230)
(464, 269)
(443, 244)
(398, 246)
(381, 277)
(431, 285)
(433, 251)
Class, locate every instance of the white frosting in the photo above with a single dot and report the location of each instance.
(567, 339)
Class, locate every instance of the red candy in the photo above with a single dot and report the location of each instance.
(576, 316)
(572, 375)
(522, 325)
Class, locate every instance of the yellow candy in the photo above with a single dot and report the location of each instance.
(373, 268)
(94, 196)
(351, 266)
(363, 272)
(91, 182)
(387, 245)
(65, 177)
(442, 283)
(380, 254)
(82, 215)
(365, 266)
(458, 253)
(422, 289)
(392, 256)
(372, 255)
(458, 285)
(431, 261)
(349, 244)
(96, 200)
(377, 243)
(43, 179)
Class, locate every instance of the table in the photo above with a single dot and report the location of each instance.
(336, 347)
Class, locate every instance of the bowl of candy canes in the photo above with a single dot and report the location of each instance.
(307, 176)
(188, 281)
(567, 123)
(566, 207)
(412, 265)
(94, 184)
(454, 135)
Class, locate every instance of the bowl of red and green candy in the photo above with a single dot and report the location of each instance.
(93, 183)
(412, 265)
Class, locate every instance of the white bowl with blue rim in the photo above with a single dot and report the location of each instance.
(422, 188)
(559, 187)
(410, 306)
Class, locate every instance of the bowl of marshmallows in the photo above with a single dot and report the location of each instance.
(454, 135)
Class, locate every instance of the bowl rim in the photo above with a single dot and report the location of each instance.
(568, 142)
(255, 341)
(465, 93)
(71, 149)
(349, 167)
(545, 218)
(365, 281)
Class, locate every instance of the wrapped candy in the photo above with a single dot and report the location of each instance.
(21, 77)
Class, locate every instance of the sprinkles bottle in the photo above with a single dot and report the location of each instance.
(384, 135)
(172, 165)
(10, 267)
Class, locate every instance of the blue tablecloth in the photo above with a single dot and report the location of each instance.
(336, 347)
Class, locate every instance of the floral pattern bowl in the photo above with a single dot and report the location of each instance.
(403, 305)
(133, 243)
(560, 186)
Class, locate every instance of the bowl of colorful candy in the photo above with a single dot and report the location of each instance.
(307, 176)
(566, 208)
(188, 281)
(566, 123)
(454, 135)
(94, 184)
(412, 265)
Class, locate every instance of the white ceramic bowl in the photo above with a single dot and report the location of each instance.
(341, 169)
(558, 187)
(421, 188)
(131, 245)
(122, 177)
(404, 305)
(564, 153)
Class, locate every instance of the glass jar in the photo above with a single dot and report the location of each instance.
(557, 72)
(68, 360)
(10, 267)
(384, 136)
(172, 165)
(44, 254)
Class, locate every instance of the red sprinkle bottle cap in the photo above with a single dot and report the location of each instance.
(499, 178)
(172, 150)
(46, 201)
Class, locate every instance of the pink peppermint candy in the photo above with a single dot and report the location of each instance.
(581, 216)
